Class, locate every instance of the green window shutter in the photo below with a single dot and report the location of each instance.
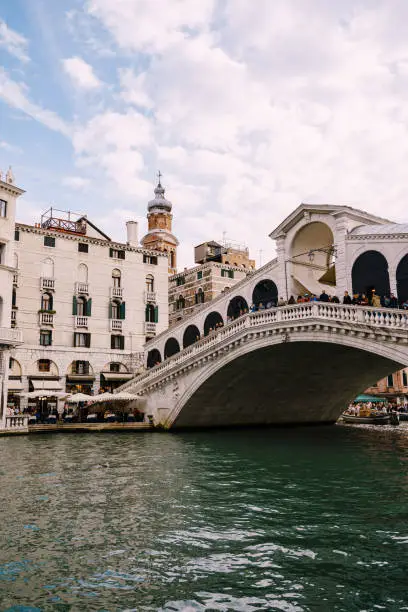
(122, 311)
(147, 314)
(122, 342)
(75, 339)
(110, 310)
(88, 340)
(110, 252)
(156, 314)
(74, 305)
(112, 342)
(89, 307)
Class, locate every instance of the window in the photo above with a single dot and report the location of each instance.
(180, 303)
(16, 235)
(3, 208)
(116, 254)
(390, 380)
(14, 298)
(81, 339)
(116, 278)
(114, 367)
(117, 310)
(404, 378)
(150, 259)
(49, 241)
(227, 273)
(2, 252)
(180, 281)
(118, 342)
(46, 301)
(81, 367)
(81, 307)
(45, 337)
(150, 282)
(199, 296)
(199, 275)
(151, 314)
(44, 365)
(83, 247)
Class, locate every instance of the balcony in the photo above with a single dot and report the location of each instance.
(47, 284)
(46, 318)
(15, 279)
(116, 292)
(82, 288)
(150, 329)
(10, 337)
(116, 325)
(80, 321)
(150, 296)
(14, 318)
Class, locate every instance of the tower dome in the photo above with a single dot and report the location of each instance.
(159, 203)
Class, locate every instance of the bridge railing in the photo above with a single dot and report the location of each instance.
(388, 318)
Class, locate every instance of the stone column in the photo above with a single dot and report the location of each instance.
(4, 370)
(392, 271)
(342, 282)
(283, 281)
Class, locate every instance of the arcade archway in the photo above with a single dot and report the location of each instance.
(213, 320)
(370, 271)
(237, 307)
(171, 348)
(191, 335)
(402, 279)
(265, 292)
(153, 358)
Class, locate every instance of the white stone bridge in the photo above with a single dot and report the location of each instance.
(287, 365)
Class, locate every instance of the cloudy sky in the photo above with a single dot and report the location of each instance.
(248, 107)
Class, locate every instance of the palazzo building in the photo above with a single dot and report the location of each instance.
(220, 267)
(9, 338)
(84, 303)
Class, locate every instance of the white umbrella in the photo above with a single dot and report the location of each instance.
(45, 393)
(79, 397)
(124, 396)
(103, 397)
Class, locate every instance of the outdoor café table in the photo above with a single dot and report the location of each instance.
(51, 419)
(68, 418)
(110, 417)
(32, 420)
(92, 418)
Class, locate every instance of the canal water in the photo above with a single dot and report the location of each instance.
(284, 519)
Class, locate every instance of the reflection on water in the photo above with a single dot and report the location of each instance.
(288, 519)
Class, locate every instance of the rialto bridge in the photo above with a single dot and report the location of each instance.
(225, 365)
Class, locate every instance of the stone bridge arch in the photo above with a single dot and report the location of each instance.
(271, 379)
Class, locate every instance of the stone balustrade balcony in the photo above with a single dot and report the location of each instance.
(116, 292)
(47, 284)
(80, 321)
(10, 336)
(150, 329)
(150, 296)
(15, 279)
(116, 325)
(46, 318)
(82, 288)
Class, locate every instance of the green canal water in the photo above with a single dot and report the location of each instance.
(287, 519)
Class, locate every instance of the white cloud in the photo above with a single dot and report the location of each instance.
(15, 94)
(6, 146)
(75, 182)
(81, 73)
(13, 42)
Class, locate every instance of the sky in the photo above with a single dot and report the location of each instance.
(247, 107)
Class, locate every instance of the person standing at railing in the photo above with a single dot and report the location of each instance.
(347, 299)
(291, 300)
(324, 297)
(335, 300)
(393, 301)
(375, 300)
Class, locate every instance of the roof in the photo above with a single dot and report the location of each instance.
(380, 230)
(333, 209)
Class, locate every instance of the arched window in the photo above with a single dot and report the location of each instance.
(81, 307)
(150, 282)
(402, 280)
(82, 273)
(151, 315)
(153, 358)
(14, 298)
(48, 268)
(115, 309)
(46, 301)
(212, 322)
(199, 296)
(172, 260)
(265, 292)
(116, 278)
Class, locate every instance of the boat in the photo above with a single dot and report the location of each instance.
(373, 419)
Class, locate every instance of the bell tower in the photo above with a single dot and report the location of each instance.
(159, 236)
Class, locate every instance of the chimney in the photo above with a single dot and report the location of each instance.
(132, 231)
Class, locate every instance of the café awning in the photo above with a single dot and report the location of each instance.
(15, 385)
(117, 375)
(46, 385)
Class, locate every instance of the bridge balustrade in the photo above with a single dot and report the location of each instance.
(369, 316)
(17, 422)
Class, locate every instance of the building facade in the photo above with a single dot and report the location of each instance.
(159, 236)
(394, 386)
(219, 268)
(85, 304)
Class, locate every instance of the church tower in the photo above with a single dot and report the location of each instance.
(159, 236)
